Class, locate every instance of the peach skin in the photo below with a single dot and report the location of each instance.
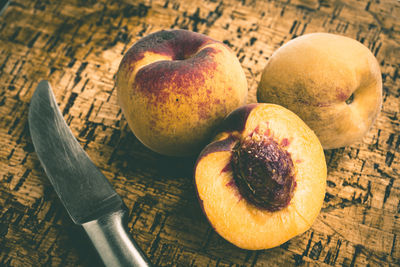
(176, 86)
(330, 81)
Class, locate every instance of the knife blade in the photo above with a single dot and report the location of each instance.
(85, 192)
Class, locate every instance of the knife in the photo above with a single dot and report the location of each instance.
(85, 192)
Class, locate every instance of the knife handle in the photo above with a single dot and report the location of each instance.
(115, 246)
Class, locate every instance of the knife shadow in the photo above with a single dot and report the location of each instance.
(71, 241)
(79, 242)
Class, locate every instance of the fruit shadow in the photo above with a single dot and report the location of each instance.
(333, 158)
(129, 156)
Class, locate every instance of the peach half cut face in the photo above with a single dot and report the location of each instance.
(262, 180)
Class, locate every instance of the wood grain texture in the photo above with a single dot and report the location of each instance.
(78, 45)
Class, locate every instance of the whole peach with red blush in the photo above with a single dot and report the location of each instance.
(176, 86)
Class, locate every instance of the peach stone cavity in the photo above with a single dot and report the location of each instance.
(263, 171)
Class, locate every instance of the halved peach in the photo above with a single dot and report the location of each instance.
(262, 180)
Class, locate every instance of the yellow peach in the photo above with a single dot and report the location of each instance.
(330, 81)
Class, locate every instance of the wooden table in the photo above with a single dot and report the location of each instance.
(78, 45)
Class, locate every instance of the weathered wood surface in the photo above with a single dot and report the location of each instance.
(78, 45)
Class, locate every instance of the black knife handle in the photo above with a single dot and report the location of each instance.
(112, 241)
